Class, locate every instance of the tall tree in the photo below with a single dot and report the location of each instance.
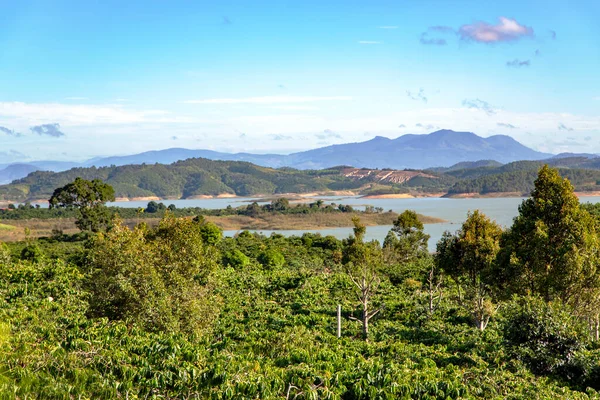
(552, 248)
(89, 198)
(406, 241)
(468, 257)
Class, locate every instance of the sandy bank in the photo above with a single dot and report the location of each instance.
(208, 196)
(484, 195)
(147, 198)
(586, 194)
(402, 196)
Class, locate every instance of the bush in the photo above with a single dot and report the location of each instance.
(271, 259)
(32, 252)
(236, 259)
(544, 336)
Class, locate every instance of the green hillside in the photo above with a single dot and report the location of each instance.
(183, 179)
(201, 177)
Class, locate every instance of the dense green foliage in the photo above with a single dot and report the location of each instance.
(178, 311)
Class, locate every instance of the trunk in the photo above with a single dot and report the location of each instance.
(431, 292)
(365, 316)
(479, 314)
(430, 303)
(339, 321)
(482, 323)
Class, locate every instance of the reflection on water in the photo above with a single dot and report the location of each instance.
(454, 211)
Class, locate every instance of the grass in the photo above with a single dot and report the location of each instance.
(4, 227)
(46, 227)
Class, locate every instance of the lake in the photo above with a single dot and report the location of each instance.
(454, 211)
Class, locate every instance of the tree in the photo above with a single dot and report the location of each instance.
(152, 207)
(406, 241)
(468, 257)
(89, 198)
(280, 204)
(211, 234)
(158, 278)
(552, 249)
(362, 262)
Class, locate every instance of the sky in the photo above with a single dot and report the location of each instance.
(80, 79)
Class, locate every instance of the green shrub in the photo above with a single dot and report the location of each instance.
(271, 259)
(544, 336)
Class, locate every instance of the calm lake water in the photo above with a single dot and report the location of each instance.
(454, 211)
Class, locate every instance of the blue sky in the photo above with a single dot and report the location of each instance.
(87, 78)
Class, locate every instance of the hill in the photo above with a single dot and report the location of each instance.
(199, 177)
(519, 176)
(202, 177)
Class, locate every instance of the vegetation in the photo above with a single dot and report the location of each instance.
(279, 214)
(184, 179)
(178, 311)
(88, 197)
(201, 177)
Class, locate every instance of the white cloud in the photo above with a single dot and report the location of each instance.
(270, 100)
(505, 30)
(295, 108)
(78, 114)
(113, 129)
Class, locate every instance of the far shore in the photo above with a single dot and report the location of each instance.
(402, 196)
(306, 197)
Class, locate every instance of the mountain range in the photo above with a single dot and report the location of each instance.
(442, 148)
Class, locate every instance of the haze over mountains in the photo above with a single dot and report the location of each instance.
(442, 148)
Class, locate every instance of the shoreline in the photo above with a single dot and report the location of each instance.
(303, 197)
(403, 196)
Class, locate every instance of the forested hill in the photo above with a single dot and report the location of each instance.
(519, 176)
(198, 177)
(203, 177)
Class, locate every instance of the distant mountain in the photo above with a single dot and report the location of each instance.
(15, 171)
(172, 155)
(570, 155)
(10, 172)
(438, 149)
(443, 148)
